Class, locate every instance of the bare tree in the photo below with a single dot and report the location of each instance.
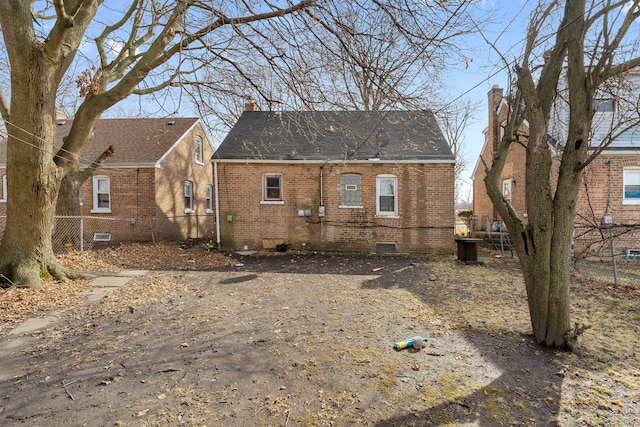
(592, 45)
(454, 119)
(354, 55)
(148, 46)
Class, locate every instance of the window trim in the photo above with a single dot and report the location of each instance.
(3, 198)
(625, 200)
(387, 214)
(95, 182)
(507, 195)
(597, 102)
(272, 201)
(208, 192)
(358, 188)
(188, 196)
(198, 145)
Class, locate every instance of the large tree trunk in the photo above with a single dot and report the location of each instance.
(26, 253)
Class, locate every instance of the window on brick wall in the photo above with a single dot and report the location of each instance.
(101, 194)
(209, 198)
(272, 188)
(386, 195)
(198, 150)
(188, 197)
(631, 184)
(3, 196)
(350, 190)
(506, 190)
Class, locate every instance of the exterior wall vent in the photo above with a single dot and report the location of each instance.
(101, 237)
(386, 247)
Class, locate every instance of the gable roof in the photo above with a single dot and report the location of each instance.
(320, 136)
(141, 142)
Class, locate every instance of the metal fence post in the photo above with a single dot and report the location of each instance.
(81, 233)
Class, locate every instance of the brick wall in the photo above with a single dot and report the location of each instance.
(515, 165)
(425, 203)
(154, 197)
(131, 198)
(601, 194)
(175, 169)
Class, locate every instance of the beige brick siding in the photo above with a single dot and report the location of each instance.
(154, 197)
(425, 204)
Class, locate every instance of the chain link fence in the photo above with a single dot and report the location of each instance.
(608, 254)
(603, 253)
(89, 232)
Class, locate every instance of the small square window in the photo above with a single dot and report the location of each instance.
(272, 187)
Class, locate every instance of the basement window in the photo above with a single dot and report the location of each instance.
(101, 237)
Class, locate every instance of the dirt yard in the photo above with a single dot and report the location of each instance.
(303, 339)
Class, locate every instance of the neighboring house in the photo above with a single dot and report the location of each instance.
(365, 181)
(157, 184)
(610, 192)
(513, 173)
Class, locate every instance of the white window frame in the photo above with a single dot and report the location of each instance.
(609, 103)
(506, 189)
(96, 184)
(3, 199)
(198, 148)
(188, 196)
(344, 187)
(379, 180)
(272, 200)
(209, 198)
(626, 177)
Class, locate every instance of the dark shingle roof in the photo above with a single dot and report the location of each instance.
(141, 141)
(335, 136)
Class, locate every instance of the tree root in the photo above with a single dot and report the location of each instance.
(30, 274)
(571, 336)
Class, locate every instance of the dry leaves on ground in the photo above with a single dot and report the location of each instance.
(17, 304)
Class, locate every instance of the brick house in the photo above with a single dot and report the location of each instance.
(513, 174)
(610, 194)
(353, 180)
(157, 184)
(610, 189)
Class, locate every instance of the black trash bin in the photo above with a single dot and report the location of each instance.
(468, 250)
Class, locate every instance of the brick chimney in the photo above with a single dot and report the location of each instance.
(495, 97)
(250, 104)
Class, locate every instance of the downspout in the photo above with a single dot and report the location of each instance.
(321, 217)
(215, 181)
